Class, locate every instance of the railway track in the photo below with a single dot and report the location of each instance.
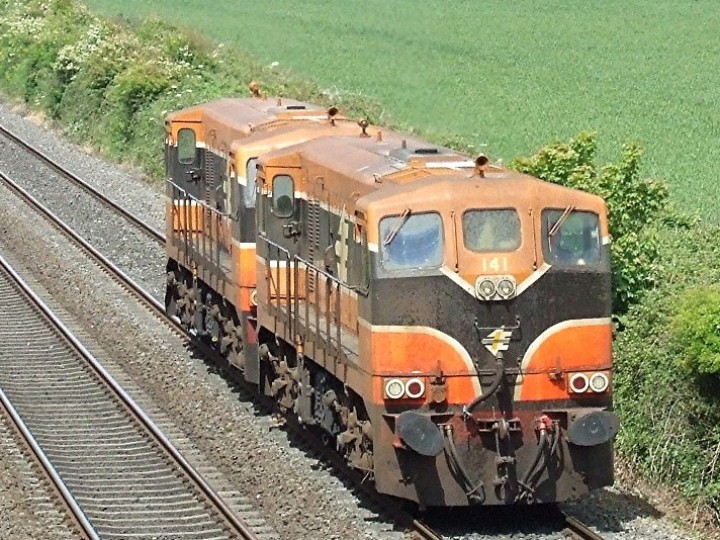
(79, 518)
(64, 173)
(416, 527)
(119, 474)
(576, 530)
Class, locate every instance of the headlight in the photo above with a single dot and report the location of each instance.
(599, 382)
(500, 287)
(506, 288)
(394, 388)
(485, 288)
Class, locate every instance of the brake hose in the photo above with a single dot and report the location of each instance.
(499, 373)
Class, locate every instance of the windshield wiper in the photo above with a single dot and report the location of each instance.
(396, 229)
(559, 223)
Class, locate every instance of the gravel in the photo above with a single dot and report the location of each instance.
(28, 508)
(109, 233)
(294, 492)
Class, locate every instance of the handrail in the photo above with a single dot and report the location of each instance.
(286, 304)
(186, 194)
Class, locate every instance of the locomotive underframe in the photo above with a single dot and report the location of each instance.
(313, 378)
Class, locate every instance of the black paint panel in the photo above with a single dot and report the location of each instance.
(438, 302)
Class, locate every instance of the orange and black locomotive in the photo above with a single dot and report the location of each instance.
(445, 320)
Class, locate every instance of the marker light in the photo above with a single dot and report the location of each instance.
(599, 382)
(485, 288)
(415, 388)
(579, 383)
(506, 288)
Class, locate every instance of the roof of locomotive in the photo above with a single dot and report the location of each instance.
(244, 114)
(390, 157)
(261, 141)
(398, 168)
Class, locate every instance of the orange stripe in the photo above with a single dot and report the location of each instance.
(574, 345)
(414, 350)
(244, 273)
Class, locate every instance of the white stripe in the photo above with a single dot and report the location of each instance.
(470, 289)
(273, 264)
(532, 278)
(244, 245)
(559, 327)
(467, 287)
(302, 266)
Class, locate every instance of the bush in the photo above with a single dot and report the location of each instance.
(665, 393)
(695, 329)
(637, 208)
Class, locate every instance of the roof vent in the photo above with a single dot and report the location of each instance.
(427, 151)
(296, 107)
(363, 123)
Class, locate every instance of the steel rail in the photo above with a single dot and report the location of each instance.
(579, 531)
(104, 262)
(62, 171)
(120, 276)
(393, 508)
(68, 499)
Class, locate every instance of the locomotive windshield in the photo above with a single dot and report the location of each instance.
(491, 230)
(572, 237)
(412, 241)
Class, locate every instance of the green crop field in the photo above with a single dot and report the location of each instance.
(507, 76)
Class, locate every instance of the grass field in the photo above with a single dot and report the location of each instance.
(510, 76)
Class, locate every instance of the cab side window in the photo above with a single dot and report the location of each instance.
(251, 187)
(283, 196)
(186, 146)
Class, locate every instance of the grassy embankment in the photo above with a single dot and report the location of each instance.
(109, 86)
